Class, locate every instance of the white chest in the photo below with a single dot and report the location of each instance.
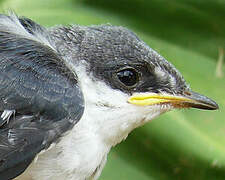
(80, 155)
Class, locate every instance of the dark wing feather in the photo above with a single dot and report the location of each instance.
(36, 83)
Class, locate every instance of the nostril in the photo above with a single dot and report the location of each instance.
(187, 93)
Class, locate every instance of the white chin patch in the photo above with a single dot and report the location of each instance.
(156, 113)
(152, 112)
(109, 114)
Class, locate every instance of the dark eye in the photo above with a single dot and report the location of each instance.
(128, 77)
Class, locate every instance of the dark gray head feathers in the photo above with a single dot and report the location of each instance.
(109, 49)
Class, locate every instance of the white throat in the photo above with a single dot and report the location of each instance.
(107, 112)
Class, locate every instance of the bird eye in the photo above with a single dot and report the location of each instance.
(128, 77)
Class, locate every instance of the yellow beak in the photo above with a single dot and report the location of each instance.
(190, 99)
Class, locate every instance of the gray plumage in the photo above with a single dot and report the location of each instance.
(124, 50)
(41, 95)
(35, 82)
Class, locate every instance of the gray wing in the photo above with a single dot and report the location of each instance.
(40, 91)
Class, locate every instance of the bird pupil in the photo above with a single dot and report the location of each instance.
(128, 77)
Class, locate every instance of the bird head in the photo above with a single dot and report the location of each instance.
(126, 83)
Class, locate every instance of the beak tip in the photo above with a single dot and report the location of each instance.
(215, 106)
(212, 107)
(203, 102)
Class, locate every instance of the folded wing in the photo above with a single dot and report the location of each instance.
(40, 98)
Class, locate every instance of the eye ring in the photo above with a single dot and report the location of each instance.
(128, 77)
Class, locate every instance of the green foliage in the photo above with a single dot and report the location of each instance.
(183, 144)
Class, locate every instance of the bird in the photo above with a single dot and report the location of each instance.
(68, 94)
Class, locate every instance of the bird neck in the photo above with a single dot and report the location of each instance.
(107, 112)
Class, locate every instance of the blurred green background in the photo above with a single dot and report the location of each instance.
(183, 144)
